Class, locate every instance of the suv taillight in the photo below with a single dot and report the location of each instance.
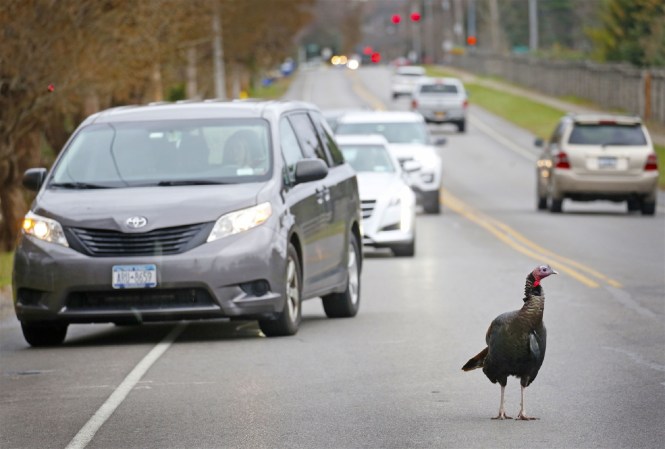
(652, 162)
(414, 104)
(466, 103)
(561, 160)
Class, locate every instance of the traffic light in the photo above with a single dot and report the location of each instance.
(376, 57)
(396, 18)
(471, 40)
(415, 17)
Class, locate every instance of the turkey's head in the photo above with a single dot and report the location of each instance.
(541, 272)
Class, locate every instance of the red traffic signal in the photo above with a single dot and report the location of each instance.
(396, 18)
(415, 17)
(471, 40)
(376, 57)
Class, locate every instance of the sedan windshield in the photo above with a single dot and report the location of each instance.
(368, 158)
(406, 132)
(166, 153)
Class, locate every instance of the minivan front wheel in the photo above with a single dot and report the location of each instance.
(347, 303)
(288, 320)
(44, 334)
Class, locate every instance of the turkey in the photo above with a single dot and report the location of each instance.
(516, 342)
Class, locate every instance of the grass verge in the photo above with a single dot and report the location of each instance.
(6, 261)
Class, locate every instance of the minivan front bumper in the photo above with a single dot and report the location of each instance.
(237, 276)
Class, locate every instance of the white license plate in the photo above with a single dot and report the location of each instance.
(607, 162)
(134, 276)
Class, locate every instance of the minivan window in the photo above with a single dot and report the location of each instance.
(607, 134)
(326, 133)
(290, 147)
(166, 153)
(308, 136)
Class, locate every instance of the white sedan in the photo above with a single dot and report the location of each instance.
(388, 203)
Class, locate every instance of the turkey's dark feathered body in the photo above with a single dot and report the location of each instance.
(516, 340)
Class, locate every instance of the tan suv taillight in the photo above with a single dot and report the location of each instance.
(652, 162)
(561, 160)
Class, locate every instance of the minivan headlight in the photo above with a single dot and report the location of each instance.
(239, 221)
(44, 229)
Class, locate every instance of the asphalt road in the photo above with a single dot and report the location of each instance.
(390, 377)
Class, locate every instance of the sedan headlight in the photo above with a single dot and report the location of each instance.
(44, 229)
(239, 221)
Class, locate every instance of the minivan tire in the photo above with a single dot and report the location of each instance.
(288, 320)
(44, 334)
(347, 303)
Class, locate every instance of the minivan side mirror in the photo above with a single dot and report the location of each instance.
(310, 170)
(440, 141)
(33, 178)
(539, 142)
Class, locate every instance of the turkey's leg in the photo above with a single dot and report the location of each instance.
(502, 410)
(522, 414)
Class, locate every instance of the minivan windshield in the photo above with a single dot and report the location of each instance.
(404, 132)
(166, 153)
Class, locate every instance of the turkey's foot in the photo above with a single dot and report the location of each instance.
(502, 415)
(523, 417)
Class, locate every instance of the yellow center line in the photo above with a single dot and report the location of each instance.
(520, 243)
(359, 88)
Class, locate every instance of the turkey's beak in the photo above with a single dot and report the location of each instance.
(555, 272)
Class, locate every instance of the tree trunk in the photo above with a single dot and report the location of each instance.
(12, 204)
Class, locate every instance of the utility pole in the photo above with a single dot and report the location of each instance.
(471, 18)
(533, 25)
(218, 51)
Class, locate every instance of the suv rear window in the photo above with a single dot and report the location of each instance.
(607, 134)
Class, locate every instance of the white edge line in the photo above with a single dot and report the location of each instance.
(88, 431)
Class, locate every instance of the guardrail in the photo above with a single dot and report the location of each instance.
(618, 87)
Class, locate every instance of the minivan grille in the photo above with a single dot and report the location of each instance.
(142, 299)
(107, 243)
(367, 207)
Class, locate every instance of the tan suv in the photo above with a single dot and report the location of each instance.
(598, 157)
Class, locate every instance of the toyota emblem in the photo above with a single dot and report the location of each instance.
(136, 222)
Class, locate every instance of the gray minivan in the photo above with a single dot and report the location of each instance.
(190, 211)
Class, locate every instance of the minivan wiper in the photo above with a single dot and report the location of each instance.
(78, 185)
(190, 182)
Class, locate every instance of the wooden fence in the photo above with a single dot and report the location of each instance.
(617, 87)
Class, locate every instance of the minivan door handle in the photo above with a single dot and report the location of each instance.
(322, 195)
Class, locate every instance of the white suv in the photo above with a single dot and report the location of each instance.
(409, 139)
(598, 157)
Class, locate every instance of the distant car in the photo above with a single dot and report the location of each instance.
(409, 139)
(405, 78)
(388, 203)
(598, 157)
(190, 211)
(441, 100)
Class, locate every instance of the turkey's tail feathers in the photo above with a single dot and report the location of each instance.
(477, 361)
